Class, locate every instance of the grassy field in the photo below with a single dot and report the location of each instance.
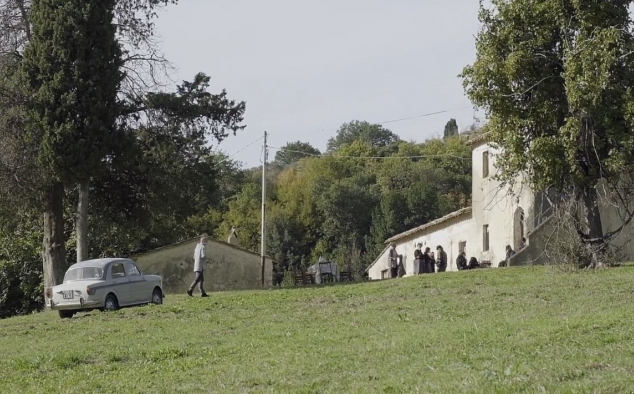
(497, 330)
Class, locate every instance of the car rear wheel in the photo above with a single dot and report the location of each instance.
(66, 314)
(157, 297)
(111, 303)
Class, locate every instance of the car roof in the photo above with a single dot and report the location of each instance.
(101, 263)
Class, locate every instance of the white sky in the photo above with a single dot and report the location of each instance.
(304, 67)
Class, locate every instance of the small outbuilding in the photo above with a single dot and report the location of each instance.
(229, 267)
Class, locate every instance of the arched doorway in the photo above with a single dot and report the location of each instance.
(518, 228)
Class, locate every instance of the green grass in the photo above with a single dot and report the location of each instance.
(497, 330)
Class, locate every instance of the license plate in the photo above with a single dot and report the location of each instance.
(68, 294)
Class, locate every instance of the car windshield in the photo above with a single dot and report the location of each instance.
(83, 273)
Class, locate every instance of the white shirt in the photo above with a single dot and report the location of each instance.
(199, 258)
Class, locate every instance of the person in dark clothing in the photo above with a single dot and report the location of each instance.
(401, 267)
(441, 259)
(428, 262)
(473, 263)
(461, 262)
(509, 253)
(418, 259)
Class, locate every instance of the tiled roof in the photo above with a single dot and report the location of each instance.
(436, 222)
(209, 239)
(479, 138)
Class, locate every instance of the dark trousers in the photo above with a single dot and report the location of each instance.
(429, 267)
(394, 272)
(198, 280)
(442, 268)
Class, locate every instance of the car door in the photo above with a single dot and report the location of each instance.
(138, 284)
(120, 283)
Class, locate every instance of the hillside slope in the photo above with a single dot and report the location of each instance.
(497, 330)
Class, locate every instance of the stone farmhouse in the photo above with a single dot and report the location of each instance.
(497, 217)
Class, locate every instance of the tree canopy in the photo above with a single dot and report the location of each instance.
(374, 134)
(555, 79)
(451, 128)
(294, 151)
(72, 64)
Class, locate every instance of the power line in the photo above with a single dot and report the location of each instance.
(245, 147)
(423, 115)
(373, 157)
(410, 117)
(366, 157)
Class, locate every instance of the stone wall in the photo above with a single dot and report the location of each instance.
(537, 241)
(228, 267)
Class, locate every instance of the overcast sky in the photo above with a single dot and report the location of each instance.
(304, 67)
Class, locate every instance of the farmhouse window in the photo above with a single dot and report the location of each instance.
(485, 164)
(462, 246)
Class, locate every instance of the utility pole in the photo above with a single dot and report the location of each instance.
(263, 232)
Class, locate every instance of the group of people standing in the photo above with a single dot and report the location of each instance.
(426, 261)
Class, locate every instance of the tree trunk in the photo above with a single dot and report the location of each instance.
(81, 226)
(54, 254)
(594, 227)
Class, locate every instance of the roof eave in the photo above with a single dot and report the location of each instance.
(377, 259)
(439, 221)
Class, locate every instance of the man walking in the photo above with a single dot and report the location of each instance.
(199, 267)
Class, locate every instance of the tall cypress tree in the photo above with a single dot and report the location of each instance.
(72, 64)
(451, 128)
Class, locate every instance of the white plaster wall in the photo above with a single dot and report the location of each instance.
(495, 205)
(374, 273)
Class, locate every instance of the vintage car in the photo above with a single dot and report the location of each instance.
(104, 284)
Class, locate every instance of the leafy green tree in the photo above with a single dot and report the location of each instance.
(451, 128)
(295, 151)
(72, 65)
(375, 134)
(120, 181)
(554, 78)
(168, 175)
(346, 207)
(244, 215)
(20, 263)
(285, 239)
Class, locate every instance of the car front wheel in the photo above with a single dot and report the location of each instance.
(111, 303)
(157, 297)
